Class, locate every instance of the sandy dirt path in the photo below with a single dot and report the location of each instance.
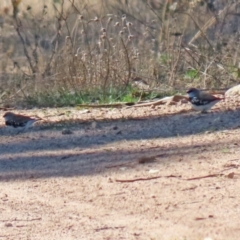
(155, 173)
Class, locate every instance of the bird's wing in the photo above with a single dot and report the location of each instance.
(21, 118)
(208, 97)
(14, 124)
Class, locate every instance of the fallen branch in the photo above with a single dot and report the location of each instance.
(153, 103)
(167, 100)
(115, 105)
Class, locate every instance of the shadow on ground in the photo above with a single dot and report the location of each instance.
(48, 153)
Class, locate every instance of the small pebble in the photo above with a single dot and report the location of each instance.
(66, 131)
(94, 125)
(8, 225)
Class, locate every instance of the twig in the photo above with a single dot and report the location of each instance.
(1, 236)
(199, 218)
(106, 228)
(25, 220)
(115, 105)
(174, 98)
(207, 176)
(119, 165)
(128, 61)
(210, 22)
(21, 225)
(231, 166)
(137, 179)
(54, 43)
(175, 64)
(18, 25)
(145, 179)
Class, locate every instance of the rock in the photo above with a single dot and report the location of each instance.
(230, 175)
(94, 125)
(8, 225)
(66, 131)
(234, 91)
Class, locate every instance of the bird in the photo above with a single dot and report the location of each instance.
(202, 101)
(19, 121)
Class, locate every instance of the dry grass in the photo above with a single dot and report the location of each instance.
(64, 53)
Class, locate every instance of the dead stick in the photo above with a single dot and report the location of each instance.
(114, 105)
(137, 179)
(19, 220)
(144, 179)
(119, 165)
(207, 176)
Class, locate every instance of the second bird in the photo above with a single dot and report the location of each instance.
(19, 121)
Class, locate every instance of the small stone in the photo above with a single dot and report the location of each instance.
(66, 131)
(234, 91)
(94, 125)
(8, 225)
(230, 175)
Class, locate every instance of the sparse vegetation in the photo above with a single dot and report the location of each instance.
(66, 52)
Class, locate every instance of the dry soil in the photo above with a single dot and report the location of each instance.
(163, 172)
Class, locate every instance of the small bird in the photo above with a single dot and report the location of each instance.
(202, 101)
(19, 121)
